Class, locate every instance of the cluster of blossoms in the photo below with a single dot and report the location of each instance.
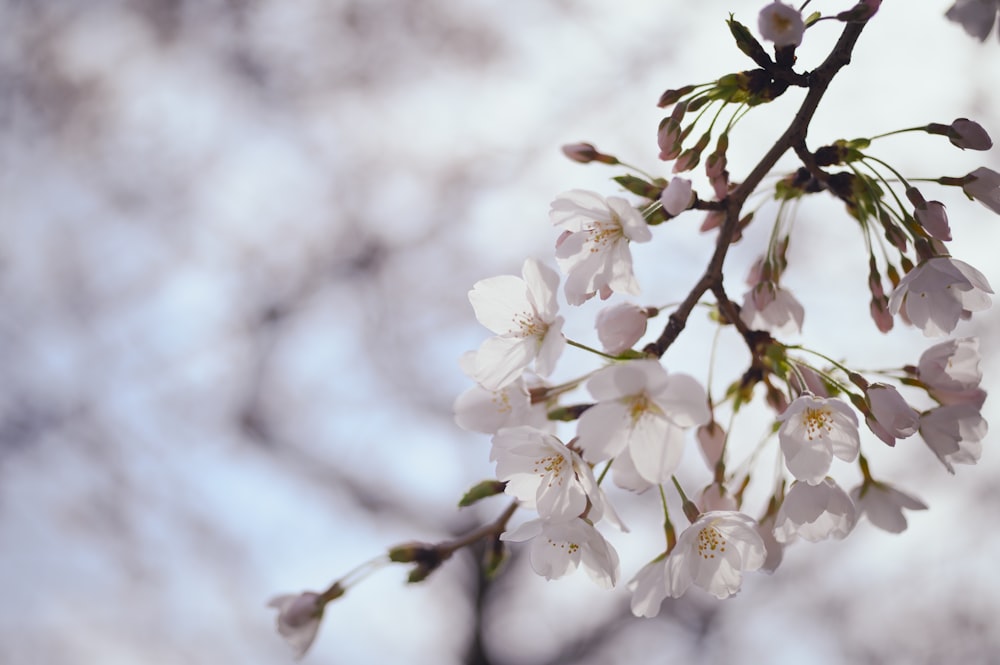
(638, 418)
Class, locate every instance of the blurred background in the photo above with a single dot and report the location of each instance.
(238, 237)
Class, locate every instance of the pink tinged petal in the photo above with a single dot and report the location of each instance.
(815, 512)
(781, 24)
(299, 617)
(891, 411)
(599, 558)
(677, 196)
(550, 348)
(656, 447)
(711, 441)
(486, 411)
(625, 475)
(633, 224)
(603, 431)
(501, 360)
(499, 301)
(620, 326)
(954, 433)
(884, 505)
(649, 588)
(985, 188)
(934, 219)
(975, 16)
(951, 366)
(542, 284)
(683, 400)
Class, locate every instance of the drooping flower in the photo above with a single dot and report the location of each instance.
(950, 371)
(542, 473)
(975, 16)
(781, 24)
(931, 215)
(884, 504)
(479, 409)
(713, 553)
(815, 512)
(891, 417)
(938, 292)
(299, 616)
(558, 548)
(523, 313)
(677, 196)
(813, 430)
(621, 326)
(641, 411)
(954, 432)
(593, 250)
(985, 188)
(769, 307)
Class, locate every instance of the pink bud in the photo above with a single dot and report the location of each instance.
(711, 441)
(677, 196)
(934, 219)
(968, 134)
(891, 417)
(620, 326)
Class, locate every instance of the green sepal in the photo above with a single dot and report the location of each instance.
(638, 186)
(748, 43)
(482, 490)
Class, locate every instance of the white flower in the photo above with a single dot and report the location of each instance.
(620, 326)
(975, 16)
(950, 371)
(523, 312)
(772, 308)
(479, 409)
(954, 433)
(649, 588)
(938, 292)
(781, 24)
(677, 196)
(299, 616)
(892, 418)
(558, 548)
(884, 504)
(815, 512)
(593, 250)
(813, 430)
(934, 219)
(713, 552)
(641, 411)
(543, 473)
(985, 188)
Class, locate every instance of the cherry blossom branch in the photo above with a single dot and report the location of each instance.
(793, 137)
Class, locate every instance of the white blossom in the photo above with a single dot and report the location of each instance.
(523, 313)
(985, 188)
(781, 24)
(954, 432)
(815, 512)
(884, 504)
(892, 418)
(558, 548)
(299, 616)
(950, 371)
(712, 554)
(543, 474)
(814, 430)
(769, 307)
(593, 250)
(641, 411)
(479, 409)
(938, 292)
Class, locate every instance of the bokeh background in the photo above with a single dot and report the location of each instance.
(237, 241)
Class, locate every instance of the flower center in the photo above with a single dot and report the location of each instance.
(551, 466)
(817, 422)
(710, 541)
(527, 324)
(571, 548)
(639, 405)
(600, 234)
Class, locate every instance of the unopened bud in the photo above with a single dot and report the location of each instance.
(586, 153)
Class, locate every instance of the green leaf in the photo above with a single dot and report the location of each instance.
(638, 186)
